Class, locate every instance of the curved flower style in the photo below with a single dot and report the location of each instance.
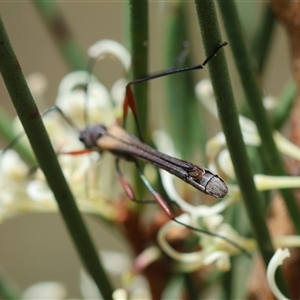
(204, 92)
(277, 260)
(213, 249)
(205, 217)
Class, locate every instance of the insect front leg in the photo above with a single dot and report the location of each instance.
(127, 187)
(163, 204)
(129, 101)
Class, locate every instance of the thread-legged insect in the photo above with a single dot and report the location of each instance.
(126, 146)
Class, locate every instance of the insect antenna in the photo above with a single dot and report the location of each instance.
(15, 140)
(63, 115)
(12, 143)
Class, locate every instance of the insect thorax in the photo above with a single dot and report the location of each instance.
(90, 135)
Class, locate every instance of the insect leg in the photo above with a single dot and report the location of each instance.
(162, 203)
(127, 188)
(129, 97)
(129, 191)
(130, 102)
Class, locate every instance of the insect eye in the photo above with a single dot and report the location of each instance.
(82, 137)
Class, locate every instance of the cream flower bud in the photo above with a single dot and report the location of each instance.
(110, 47)
(45, 290)
(205, 94)
(120, 294)
(118, 91)
(225, 163)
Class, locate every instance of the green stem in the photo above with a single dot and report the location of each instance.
(219, 74)
(190, 286)
(138, 11)
(7, 132)
(263, 37)
(61, 34)
(254, 98)
(227, 284)
(41, 145)
(285, 103)
(139, 52)
(183, 110)
(8, 289)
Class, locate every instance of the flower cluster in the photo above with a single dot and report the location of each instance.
(23, 190)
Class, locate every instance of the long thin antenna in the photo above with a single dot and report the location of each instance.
(12, 143)
(62, 114)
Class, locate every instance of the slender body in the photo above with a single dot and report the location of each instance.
(122, 144)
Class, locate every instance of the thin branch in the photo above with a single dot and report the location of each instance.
(219, 74)
(254, 97)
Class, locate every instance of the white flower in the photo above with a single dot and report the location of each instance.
(89, 178)
(214, 249)
(76, 104)
(215, 152)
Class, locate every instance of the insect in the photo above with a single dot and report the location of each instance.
(126, 146)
